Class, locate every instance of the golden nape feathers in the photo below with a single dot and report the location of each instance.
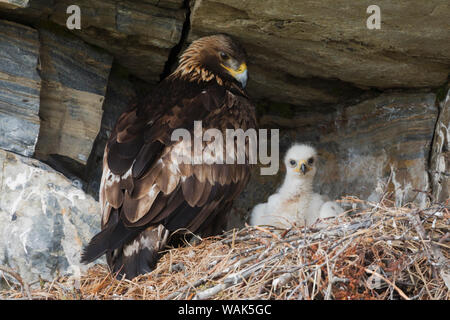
(216, 57)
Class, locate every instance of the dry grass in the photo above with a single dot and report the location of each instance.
(382, 252)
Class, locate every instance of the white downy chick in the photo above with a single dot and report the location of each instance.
(295, 201)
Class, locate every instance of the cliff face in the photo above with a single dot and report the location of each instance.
(20, 86)
(311, 52)
(375, 103)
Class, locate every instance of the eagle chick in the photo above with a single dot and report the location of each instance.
(295, 201)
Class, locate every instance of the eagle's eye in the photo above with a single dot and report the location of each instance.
(224, 56)
(310, 161)
(292, 163)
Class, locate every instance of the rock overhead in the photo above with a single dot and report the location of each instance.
(291, 43)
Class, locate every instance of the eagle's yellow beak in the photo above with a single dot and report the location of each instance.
(302, 167)
(240, 74)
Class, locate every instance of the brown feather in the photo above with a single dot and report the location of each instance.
(205, 194)
(114, 195)
(135, 209)
(223, 175)
(167, 181)
(175, 200)
(201, 216)
(200, 172)
(143, 185)
(146, 158)
(188, 187)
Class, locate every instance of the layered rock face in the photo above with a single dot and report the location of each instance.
(140, 34)
(74, 77)
(375, 103)
(383, 142)
(14, 4)
(19, 88)
(440, 156)
(311, 52)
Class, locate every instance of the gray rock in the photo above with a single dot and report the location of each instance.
(440, 157)
(140, 34)
(19, 88)
(74, 78)
(14, 4)
(293, 43)
(26, 11)
(44, 220)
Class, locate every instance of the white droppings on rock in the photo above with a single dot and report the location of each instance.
(44, 220)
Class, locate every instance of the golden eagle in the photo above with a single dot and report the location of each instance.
(145, 194)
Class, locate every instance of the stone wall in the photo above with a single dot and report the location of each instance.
(74, 78)
(20, 86)
(375, 103)
(316, 52)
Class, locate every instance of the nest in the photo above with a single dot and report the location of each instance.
(381, 252)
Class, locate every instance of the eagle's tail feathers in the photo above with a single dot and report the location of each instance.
(114, 235)
(140, 255)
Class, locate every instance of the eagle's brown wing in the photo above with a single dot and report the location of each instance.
(144, 186)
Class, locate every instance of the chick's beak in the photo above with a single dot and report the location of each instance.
(302, 167)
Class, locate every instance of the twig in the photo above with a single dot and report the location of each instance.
(183, 289)
(17, 276)
(388, 282)
(435, 251)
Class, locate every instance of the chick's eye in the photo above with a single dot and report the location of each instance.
(224, 56)
(292, 163)
(310, 161)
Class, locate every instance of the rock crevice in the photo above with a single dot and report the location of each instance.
(172, 58)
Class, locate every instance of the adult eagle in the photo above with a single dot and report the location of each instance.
(146, 193)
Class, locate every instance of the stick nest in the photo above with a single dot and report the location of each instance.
(381, 252)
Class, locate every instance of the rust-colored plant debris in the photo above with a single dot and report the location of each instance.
(381, 252)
